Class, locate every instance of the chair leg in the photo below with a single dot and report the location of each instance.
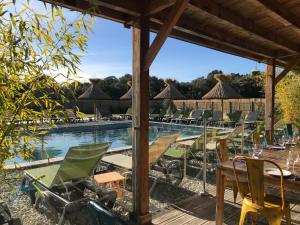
(243, 214)
(253, 217)
(235, 191)
(287, 214)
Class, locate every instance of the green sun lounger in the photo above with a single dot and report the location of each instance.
(79, 163)
(64, 184)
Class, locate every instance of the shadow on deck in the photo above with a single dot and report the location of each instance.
(198, 210)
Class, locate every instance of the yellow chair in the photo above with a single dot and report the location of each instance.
(222, 155)
(256, 201)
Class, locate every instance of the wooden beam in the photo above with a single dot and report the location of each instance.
(195, 28)
(291, 65)
(165, 30)
(284, 13)
(140, 123)
(156, 6)
(270, 100)
(246, 24)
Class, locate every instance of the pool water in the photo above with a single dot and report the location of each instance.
(57, 142)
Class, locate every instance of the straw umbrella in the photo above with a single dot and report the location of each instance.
(222, 90)
(169, 93)
(128, 94)
(94, 93)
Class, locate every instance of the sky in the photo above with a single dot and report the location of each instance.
(110, 54)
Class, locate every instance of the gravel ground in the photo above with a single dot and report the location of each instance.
(163, 195)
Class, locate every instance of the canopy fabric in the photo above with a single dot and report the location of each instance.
(94, 92)
(170, 92)
(128, 94)
(222, 90)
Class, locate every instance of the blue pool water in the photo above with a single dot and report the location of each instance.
(58, 141)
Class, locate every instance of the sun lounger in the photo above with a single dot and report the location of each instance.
(194, 117)
(101, 215)
(156, 150)
(57, 183)
(216, 118)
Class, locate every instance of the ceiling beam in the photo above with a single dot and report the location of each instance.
(287, 69)
(220, 36)
(156, 6)
(164, 32)
(216, 10)
(285, 14)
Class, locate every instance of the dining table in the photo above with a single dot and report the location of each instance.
(225, 169)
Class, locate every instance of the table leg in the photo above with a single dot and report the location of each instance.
(220, 197)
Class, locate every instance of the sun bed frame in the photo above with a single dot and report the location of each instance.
(63, 185)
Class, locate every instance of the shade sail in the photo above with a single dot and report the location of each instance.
(222, 90)
(128, 94)
(170, 92)
(94, 92)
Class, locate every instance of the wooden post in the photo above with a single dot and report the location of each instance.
(140, 124)
(270, 100)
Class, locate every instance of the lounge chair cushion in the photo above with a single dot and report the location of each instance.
(79, 163)
(175, 153)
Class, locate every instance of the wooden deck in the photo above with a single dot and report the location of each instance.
(199, 210)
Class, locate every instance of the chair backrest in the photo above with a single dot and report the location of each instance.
(217, 115)
(222, 151)
(235, 132)
(177, 114)
(80, 162)
(251, 116)
(235, 116)
(101, 216)
(206, 114)
(160, 146)
(197, 113)
(255, 179)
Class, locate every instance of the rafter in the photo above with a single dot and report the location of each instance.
(165, 30)
(287, 69)
(245, 24)
(282, 12)
(156, 6)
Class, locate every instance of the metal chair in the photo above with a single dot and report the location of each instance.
(222, 155)
(256, 201)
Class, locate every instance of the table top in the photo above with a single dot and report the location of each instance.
(108, 177)
(278, 157)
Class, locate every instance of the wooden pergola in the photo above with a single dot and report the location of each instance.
(267, 31)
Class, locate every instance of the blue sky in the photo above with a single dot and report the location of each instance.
(110, 54)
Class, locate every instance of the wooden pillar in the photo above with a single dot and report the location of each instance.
(270, 100)
(140, 124)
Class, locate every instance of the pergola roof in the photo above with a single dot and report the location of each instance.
(222, 90)
(94, 92)
(256, 29)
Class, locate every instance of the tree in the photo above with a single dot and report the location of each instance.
(34, 50)
(288, 96)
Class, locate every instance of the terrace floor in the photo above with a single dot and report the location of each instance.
(199, 210)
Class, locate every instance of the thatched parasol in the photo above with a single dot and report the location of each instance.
(170, 92)
(128, 94)
(222, 90)
(94, 92)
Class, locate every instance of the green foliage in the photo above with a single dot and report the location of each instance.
(249, 85)
(35, 50)
(288, 96)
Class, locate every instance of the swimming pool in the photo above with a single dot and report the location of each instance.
(58, 141)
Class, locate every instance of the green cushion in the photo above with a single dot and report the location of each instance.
(175, 153)
(79, 164)
(48, 173)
